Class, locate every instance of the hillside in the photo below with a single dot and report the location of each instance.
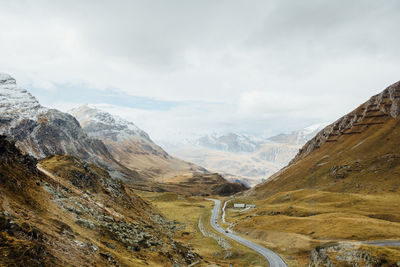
(338, 194)
(72, 213)
(131, 146)
(357, 153)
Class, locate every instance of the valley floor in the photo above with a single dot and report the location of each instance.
(195, 213)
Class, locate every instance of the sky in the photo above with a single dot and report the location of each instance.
(183, 67)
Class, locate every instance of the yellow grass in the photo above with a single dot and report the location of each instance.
(188, 210)
(295, 222)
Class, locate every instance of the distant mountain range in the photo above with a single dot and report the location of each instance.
(243, 158)
(300, 137)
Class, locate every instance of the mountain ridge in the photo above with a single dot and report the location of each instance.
(130, 145)
(378, 106)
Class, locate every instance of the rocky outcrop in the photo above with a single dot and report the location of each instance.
(345, 254)
(373, 112)
(219, 239)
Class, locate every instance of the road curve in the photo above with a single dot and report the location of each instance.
(273, 259)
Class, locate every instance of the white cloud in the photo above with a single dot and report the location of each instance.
(260, 67)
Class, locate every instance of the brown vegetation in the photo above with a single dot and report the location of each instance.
(77, 215)
(343, 186)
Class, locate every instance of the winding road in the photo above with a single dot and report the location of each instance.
(273, 259)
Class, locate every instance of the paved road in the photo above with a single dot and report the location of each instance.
(385, 243)
(273, 259)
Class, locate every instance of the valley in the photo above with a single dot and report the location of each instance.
(243, 158)
(93, 185)
(199, 133)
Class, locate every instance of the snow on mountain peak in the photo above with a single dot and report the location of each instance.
(94, 119)
(6, 78)
(16, 101)
(314, 128)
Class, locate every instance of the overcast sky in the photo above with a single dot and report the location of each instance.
(180, 67)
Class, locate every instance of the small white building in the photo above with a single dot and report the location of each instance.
(239, 205)
(250, 206)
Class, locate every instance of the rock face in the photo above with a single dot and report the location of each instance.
(372, 112)
(130, 145)
(346, 254)
(41, 132)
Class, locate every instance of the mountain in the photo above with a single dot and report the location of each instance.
(133, 148)
(298, 138)
(41, 132)
(71, 213)
(244, 158)
(362, 141)
(339, 194)
(230, 142)
(130, 145)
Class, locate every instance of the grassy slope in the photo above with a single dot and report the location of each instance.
(346, 189)
(373, 158)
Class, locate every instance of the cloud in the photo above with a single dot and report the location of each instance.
(256, 67)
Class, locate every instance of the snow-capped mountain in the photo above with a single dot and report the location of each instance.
(244, 157)
(16, 102)
(231, 142)
(300, 137)
(98, 122)
(130, 145)
(41, 132)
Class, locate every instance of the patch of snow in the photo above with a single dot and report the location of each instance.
(90, 116)
(17, 102)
